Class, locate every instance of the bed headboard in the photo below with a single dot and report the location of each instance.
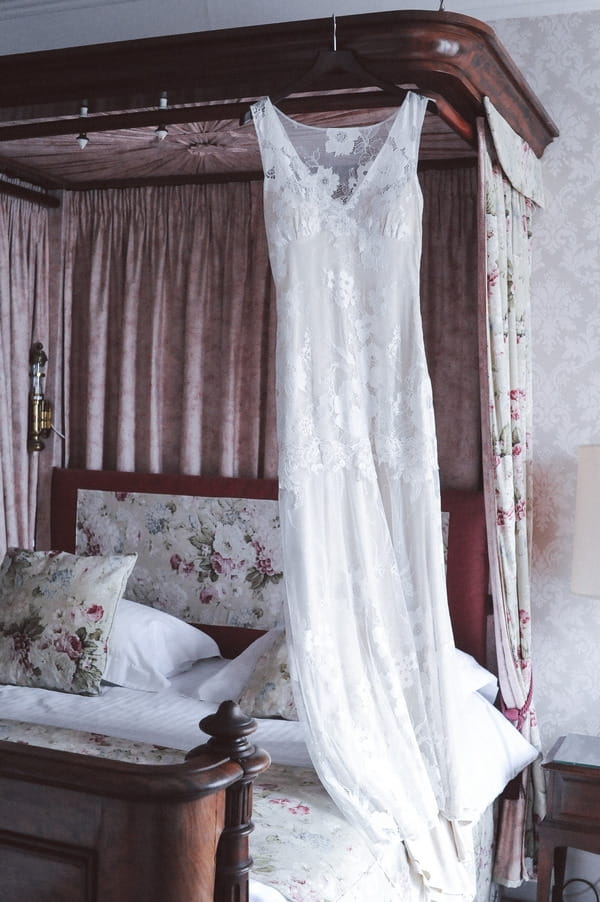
(467, 567)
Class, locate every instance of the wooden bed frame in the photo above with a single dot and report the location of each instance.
(75, 828)
(92, 830)
(454, 58)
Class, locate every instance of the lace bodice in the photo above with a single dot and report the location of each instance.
(339, 179)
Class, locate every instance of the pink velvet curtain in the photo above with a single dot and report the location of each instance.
(171, 339)
(23, 320)
(170, 325)
(449, 312)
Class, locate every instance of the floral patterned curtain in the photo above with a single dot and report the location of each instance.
(507, 467)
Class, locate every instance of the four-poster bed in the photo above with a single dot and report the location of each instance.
(94, 511)
(455, 60)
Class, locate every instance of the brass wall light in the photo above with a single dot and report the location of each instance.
(40, 410)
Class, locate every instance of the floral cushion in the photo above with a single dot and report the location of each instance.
(56, 613)
(268, 692)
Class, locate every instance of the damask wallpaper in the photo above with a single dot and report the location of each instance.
(560, 57)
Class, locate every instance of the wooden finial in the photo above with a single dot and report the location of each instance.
(229, 729)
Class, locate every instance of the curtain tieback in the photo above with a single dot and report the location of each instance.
(518, 715)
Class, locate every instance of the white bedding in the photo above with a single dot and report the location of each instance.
(167, 717)
(493, 751)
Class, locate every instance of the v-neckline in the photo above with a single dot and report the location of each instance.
(278, 115)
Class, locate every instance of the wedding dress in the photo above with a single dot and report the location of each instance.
(371, 641)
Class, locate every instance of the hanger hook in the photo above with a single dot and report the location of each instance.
(334, 24)
(441, 8)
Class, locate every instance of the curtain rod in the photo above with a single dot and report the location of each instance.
(36, 197)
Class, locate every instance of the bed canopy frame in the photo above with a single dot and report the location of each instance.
(127, 89)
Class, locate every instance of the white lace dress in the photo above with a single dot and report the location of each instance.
(359, 492)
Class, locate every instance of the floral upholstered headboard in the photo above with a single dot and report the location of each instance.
(209, 548)
(205, 560)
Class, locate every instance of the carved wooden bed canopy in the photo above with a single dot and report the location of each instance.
(207, 80)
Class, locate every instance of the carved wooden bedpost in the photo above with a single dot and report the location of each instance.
(229, 729)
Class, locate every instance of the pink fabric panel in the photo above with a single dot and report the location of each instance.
(54, 452)
(170, 326)
(449, 313)
(173, 331)
(23, 320)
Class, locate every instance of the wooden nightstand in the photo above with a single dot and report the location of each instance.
(573, 817)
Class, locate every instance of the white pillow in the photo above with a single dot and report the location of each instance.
(492, 749)
(147, 646)
(230, 681)
(475, 678)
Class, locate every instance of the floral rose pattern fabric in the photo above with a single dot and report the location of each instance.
(56, 613)
(83, 743)
(206, 560)
(301, 844)
(508, 477)
(303, 847)
(522, 167)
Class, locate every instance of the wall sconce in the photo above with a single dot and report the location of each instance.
(40, 410)
(585, 578)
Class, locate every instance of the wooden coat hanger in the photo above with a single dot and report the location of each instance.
(332, 61)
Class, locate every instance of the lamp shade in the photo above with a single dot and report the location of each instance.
(585, 578)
